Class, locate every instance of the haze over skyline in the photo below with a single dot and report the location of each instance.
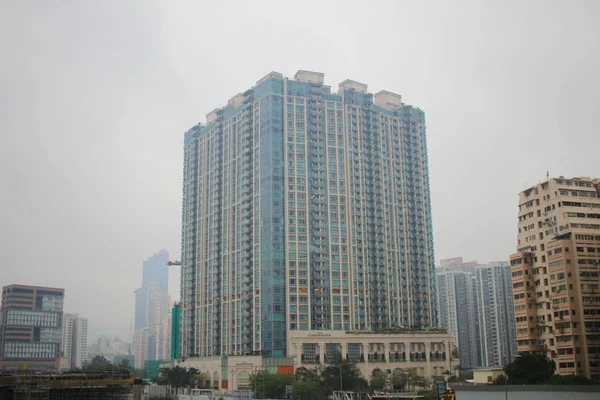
(96, 97)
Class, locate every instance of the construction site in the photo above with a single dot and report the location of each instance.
(79, 385)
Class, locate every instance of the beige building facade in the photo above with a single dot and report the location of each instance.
(430, 352)
(555, 274)
(486, 376)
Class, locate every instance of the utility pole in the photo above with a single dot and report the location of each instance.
(505, 379)
(341, 388)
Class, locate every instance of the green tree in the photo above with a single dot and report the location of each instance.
(179, 377)
(98, 363)
(379, 380)
(454, 352)
(309, 389)
(266, 385)
(410, 378)
(201, 380)
(138, 373)
(530, 369)
(125, 364)
(351, 379)
(303, 373)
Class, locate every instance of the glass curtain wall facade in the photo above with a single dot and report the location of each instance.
(304, 210)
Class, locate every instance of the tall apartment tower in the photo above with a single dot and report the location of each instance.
(30, 327)
(555, 274)
(74, 340)
(496, 319)
(304, 210)
(457, 310)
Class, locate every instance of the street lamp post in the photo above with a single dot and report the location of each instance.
(505, 379)
(341, 384)
(506, 375)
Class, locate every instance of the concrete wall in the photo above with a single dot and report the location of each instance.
(528, 392)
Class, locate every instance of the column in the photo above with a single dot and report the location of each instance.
(428, 366)
(298, 353)
(321, 352)
(407, 351)
(386, 351)
(449, 356)
(365, 351)
(344, 350)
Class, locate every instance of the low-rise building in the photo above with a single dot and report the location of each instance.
(429, 352)
(486, 376)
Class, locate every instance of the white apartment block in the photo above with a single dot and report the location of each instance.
(74, 341)
(159, 327)
(140, 348)
(457, 310)
(497, 328)
(475, 304)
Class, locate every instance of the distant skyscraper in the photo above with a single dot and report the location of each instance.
(140, 348)
(304, 210)
(153, 309)
(109, 347)
(74, 339)
(30, 327)
(457, 262)
(155, 269)
(141, 309)
(497, 335)
(155, 278)
(143, 296)
(159, 329)
(457, 310)
(555, 273)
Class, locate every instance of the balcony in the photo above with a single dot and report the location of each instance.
(376, 357)
(419, 356)
(437, 356)
(397, 357)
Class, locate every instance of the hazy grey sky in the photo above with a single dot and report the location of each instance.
(95, 97)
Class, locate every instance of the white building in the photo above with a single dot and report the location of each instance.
(457, 310)
(74, 341)
(164, 349)
(497, 327)
(140, 348)
(159, 327)
(475, 303)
